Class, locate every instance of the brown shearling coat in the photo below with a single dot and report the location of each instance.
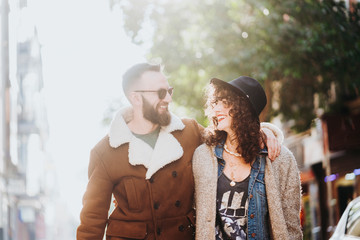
(154, 188)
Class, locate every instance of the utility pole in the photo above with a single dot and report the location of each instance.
(327, 168)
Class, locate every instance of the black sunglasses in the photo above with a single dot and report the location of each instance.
(161, 92)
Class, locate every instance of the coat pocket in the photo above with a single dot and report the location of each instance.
(130, 189)
(178, 228)
(117, 229)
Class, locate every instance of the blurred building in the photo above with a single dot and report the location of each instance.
(27, 177)
(328, 156)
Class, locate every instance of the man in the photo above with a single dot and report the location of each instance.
(145, 162)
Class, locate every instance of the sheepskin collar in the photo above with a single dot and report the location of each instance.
(167, 149)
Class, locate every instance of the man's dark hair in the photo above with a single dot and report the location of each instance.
(133, 74)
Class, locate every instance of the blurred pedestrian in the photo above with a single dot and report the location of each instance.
(239, 192)
(145, 162)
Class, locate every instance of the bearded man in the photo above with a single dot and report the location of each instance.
(145, 162)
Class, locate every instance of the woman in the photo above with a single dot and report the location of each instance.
(239, 192)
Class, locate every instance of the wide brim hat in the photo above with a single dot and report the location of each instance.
(248, 87)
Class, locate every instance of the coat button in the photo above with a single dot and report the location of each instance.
(251, 196)
(156, 205)
(252, 216)
(253, 234)
(181, 228)
(177, 203)
(174, 174)
(151, 180)
(158, 231)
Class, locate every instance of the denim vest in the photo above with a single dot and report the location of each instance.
(258, 216)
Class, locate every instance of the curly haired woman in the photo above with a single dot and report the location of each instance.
(239, 192)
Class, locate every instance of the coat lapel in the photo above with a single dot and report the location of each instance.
(167, 149)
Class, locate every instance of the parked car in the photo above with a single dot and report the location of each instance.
(348, 226)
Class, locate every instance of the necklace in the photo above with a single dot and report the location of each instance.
(232, 153)
(232, 183)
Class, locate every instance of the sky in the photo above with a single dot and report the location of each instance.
(85, 52)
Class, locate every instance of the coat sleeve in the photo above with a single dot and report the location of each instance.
(291, 196)
(283, 193)
(96, 201)
(276, 131)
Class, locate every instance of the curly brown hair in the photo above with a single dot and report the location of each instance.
(245, 123)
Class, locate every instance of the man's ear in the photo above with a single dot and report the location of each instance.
(135, 99)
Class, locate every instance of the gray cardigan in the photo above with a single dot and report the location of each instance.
(283, 193)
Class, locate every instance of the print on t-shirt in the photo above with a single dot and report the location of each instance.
(232, 204)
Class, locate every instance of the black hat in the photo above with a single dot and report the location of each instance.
(247, 87)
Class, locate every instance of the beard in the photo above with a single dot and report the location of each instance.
(151, 114)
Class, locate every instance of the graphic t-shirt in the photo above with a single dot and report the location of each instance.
(231, 209)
